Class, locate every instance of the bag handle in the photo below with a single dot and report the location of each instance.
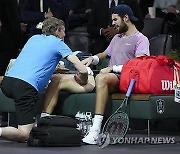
(163, 60)
(146, 57)
(176, 76)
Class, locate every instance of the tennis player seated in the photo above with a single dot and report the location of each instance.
(128, 44)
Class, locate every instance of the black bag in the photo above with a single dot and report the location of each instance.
(55, 131)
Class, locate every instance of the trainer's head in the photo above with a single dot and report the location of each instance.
(123, 10)
(53, 26)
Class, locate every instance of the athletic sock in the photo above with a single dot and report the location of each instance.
(44, 114)
(0, 131)
(97, 122)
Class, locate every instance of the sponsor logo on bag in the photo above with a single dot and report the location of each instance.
(168, 85)
(160, 106)
(177, 94)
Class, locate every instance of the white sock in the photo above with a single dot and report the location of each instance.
(0, 131)
(44, 114)
(97, 122)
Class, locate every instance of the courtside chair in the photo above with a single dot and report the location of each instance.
(152, 27)
(160, 45)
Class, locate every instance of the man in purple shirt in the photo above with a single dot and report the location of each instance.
(128, 44)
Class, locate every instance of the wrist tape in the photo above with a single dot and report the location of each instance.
(95, 60)
(117, 69)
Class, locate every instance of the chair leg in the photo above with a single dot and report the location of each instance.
(8, 120)
(12, 121)
(148, 128)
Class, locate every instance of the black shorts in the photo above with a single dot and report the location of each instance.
(118, 75)
(25, 97)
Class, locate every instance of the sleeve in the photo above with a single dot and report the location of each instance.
(142, 46)
(64, 50)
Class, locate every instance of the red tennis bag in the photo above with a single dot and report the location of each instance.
(153, 74)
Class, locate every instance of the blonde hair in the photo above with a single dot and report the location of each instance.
(50, 25)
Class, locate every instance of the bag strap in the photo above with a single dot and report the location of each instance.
(57, 120)
(176, 76)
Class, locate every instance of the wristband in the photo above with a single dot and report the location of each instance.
(117, 69)
(95, 60)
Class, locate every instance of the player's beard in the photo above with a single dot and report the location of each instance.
(123, 28)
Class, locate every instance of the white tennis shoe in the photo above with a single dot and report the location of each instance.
(91, 137)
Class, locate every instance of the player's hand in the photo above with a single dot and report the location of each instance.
(87, 61)
(106, 70)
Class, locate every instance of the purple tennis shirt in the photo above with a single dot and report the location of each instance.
(123, 48)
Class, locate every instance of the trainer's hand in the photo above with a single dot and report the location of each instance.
(81, 78)
(106, 70)
(87, 61)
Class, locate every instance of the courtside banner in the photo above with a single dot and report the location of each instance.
(153, 75)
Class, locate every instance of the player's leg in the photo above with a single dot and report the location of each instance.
(65, 82)
(105, 84)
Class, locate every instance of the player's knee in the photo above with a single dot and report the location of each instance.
(56, 79)
(101, 79)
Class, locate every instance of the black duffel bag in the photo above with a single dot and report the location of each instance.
(55, 131)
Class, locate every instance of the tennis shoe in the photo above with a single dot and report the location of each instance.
(91, 137)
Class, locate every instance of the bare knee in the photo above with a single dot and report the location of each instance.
(101, 80)
(56, 79)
